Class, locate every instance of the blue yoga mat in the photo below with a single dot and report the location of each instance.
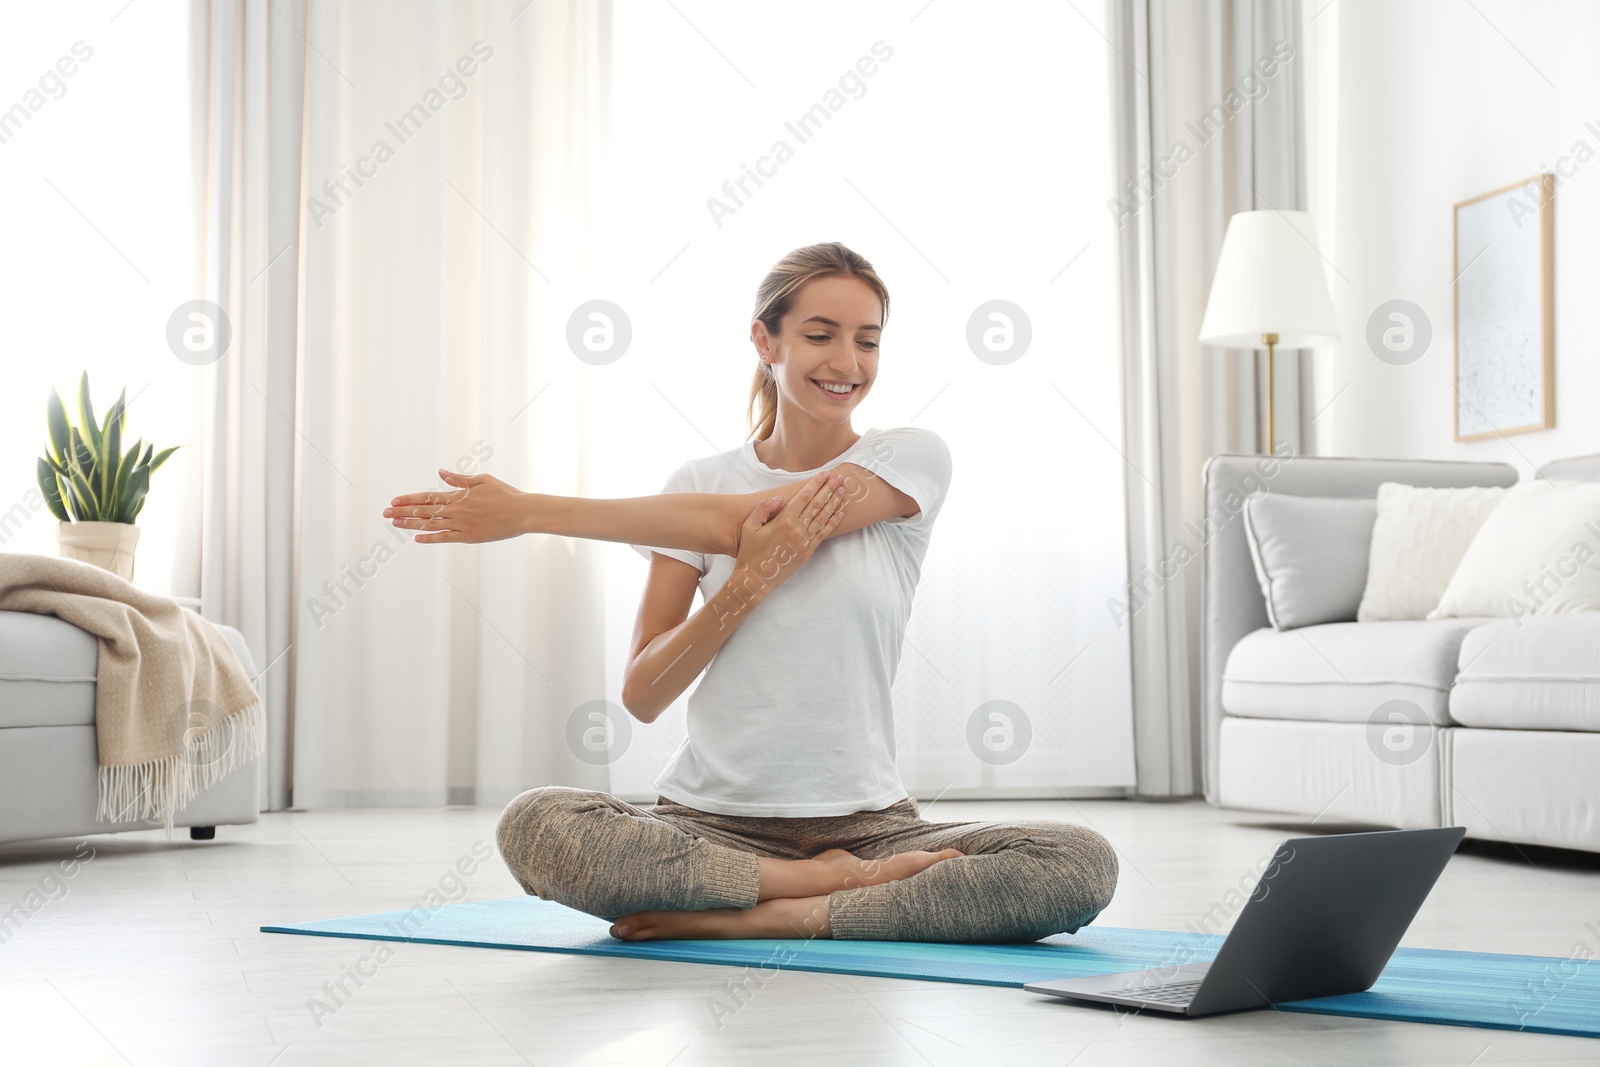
(1542, 994)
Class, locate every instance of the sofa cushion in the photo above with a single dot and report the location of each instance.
(1535, 554)
(1345, 671)
(1540, 672)
(1418, 538)
(47, 671)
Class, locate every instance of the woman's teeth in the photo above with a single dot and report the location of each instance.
(834, 390)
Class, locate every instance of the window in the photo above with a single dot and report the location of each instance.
(966, 151)
(95, 167)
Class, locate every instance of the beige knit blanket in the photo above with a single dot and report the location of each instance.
(174, 710)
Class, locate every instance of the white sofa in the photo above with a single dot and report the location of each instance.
(1304, 721)
(49, 771)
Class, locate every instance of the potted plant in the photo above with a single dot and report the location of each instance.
(85, 471)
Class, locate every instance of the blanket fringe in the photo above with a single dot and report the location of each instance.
(153, 791)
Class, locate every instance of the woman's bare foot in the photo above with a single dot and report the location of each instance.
(793, 900)
(855, 871)
(786, 917)
(836, 869)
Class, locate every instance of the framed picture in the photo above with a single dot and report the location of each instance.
(1505, 310)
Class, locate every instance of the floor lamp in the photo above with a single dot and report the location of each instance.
(1269, 290)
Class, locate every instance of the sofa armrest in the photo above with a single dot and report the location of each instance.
(1231, 603)
(1572, 469)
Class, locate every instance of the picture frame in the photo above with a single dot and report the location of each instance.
(1504, 308)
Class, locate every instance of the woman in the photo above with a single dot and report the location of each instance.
(782, 813)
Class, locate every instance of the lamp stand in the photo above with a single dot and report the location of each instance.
(1270, 340)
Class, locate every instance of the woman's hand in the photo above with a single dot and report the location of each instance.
(483, 508)
(774, 543)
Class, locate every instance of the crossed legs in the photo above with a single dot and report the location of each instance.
(671, 871)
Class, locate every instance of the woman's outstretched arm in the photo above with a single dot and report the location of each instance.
(484, 508)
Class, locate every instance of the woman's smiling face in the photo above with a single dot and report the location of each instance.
(829, 338)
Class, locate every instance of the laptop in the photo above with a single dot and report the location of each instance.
(1324, 919)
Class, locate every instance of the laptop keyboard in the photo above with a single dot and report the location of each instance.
(1172, 993)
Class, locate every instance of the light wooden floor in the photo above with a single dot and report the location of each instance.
(151, 956)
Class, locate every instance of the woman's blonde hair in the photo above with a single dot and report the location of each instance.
(776, 296)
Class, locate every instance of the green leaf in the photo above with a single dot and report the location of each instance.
(82, 464)
(52, 492)
(91, 428)
(79, 458)
(115, 413)
(147, 451)
(56, 419)
(138, 485)
(78, 514)
(161, 457)
(83, 499)
(119, 485)
(111, 454)
(81, 478)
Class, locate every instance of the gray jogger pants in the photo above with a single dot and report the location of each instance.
(1017, 881)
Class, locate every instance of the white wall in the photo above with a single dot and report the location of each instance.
(96, 252)
(1423, 104)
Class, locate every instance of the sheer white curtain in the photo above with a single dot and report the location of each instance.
(1209, 122)
(469, 278)
(239, 540)
(395, 231)
(965, 151)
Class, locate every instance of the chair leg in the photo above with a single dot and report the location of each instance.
(202, 833)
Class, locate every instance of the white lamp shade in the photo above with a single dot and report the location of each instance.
(1269, 280)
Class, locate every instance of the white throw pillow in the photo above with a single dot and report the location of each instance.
(1418, 538)
(1538, 553)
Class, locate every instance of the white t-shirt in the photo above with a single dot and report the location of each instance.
(792, 717)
